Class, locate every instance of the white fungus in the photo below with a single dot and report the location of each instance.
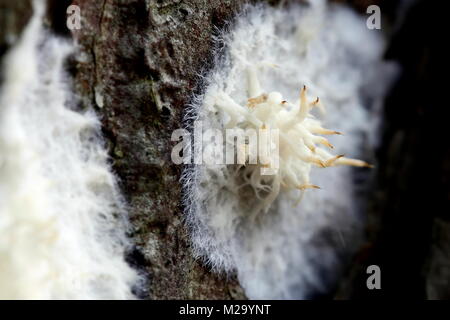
(62, 220)
(296, 147)
(282, 240)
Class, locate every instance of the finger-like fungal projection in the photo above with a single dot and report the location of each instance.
(300, 146)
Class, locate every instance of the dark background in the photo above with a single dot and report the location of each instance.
(409, 217)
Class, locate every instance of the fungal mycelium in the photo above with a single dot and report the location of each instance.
(62, 218)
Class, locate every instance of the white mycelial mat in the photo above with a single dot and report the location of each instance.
(62, 219)
(293, 249)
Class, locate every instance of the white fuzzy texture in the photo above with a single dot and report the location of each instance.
(293, 250)
(62, 221)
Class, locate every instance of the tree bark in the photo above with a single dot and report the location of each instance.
(138, 66)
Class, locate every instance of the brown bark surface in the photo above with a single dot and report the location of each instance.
(139, 68)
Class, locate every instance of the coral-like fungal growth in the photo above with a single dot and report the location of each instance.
(300, 144)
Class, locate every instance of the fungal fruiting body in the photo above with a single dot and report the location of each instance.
(300, 145)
